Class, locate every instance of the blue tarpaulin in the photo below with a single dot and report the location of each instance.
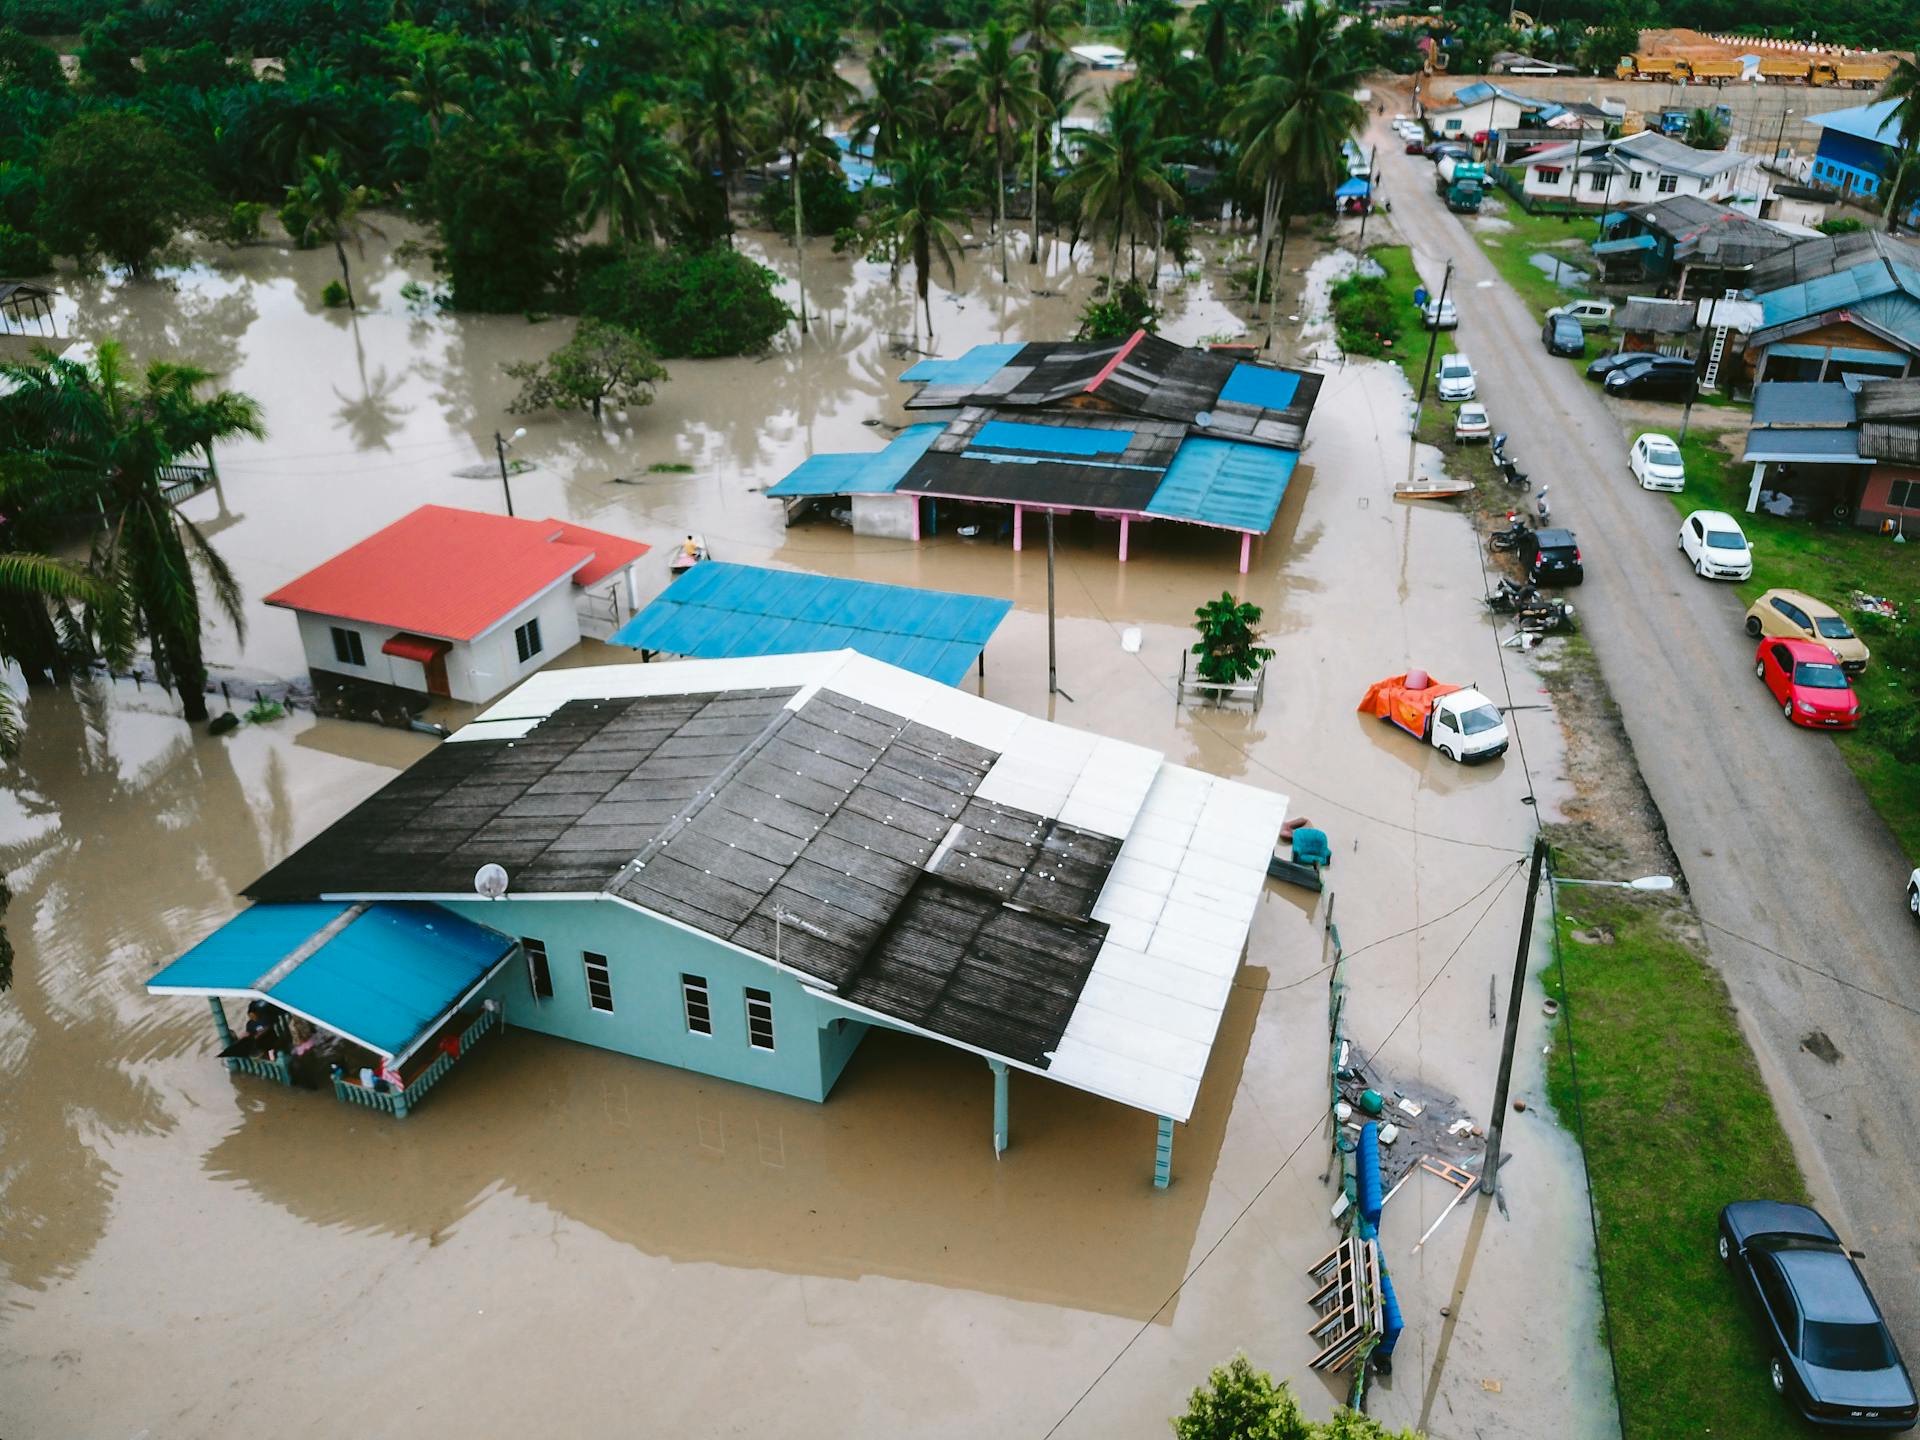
(1622, 247)
(1258, 385)
(718, 611)
(383, 974)
(1051, 439)
(976, 367)
(1221, 482)
(1351, 188)
(872, 473)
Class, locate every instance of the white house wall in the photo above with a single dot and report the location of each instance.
(481, 669)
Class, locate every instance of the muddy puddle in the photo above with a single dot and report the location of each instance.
(180, 1248)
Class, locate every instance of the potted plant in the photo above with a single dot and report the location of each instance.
(1229, 646)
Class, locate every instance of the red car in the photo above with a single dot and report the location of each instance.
(1807, 680)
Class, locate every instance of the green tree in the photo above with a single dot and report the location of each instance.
(924, 204)
(104, 438)
(1903, 88)
(720, 110)
(433, 85)
(626, 172)
(1044, 26)
(331, 211)
(1054, 75)
(498, 197)
(1221, 27)
(1241, 1403)
(1121, 178)
(997, 98)
(602, 364)
(899, 111)
(1704, 130)
(799, 67)
(117, 185)
(703, 303)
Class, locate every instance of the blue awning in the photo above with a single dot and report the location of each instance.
(872, 473)
(1890, 358)
(385, 974)
(1222, 482)
(1622, 247)
(718, 611)
(1798, 352)
(1351, 189)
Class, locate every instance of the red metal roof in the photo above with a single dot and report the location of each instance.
(454, 573)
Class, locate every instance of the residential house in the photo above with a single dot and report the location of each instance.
(1693, 245)
(1858, 150)
(739, 867)
(1837, 305)
(1661, 326)
(457, 603)
(1837, 449)
(1636, 169)
(1478, 109)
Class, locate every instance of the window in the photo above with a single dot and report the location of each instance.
(1669, 184)
(693, 994)
(347, 648)
(1548, 174)
(526, 641)
(539, 975)
(1904, 495)
(599, 982)
(760, 1019)
(1633, 180)
(1596, 181)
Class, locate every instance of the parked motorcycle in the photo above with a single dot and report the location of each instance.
(1509, 469)
(1508, 538)
(1542, 511)
(1541, 615)
(1508, 597)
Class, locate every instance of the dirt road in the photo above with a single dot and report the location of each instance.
(1798, 881)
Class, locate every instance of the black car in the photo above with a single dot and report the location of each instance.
(1563, 336)
(1439, 150)
(1657, 377)
(1551, 557)
(1607, 364)
(1833, 1358)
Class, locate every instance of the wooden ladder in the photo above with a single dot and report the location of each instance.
(1347, 1302)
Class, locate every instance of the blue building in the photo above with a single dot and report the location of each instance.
(740, 867)
(1859, 149)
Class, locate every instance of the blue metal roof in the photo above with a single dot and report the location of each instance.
(1820, 447)
(976, 367)
(1622, 247)
(1786, 402)
(1841, 290)
(1219, 482)
(718, 611)
(1052, 439)
(1873, 122)
(874, 473)
(380, 974)
(1351, 188)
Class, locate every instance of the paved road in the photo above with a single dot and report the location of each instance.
(1796, 877)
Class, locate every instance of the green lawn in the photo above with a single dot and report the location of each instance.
(1828, 561)
(1677, 1123)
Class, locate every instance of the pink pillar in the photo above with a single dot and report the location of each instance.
(1246, 548)
(1124, 519)
(913, 526)
(1018, 512)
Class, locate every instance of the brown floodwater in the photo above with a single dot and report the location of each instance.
(567, 1234)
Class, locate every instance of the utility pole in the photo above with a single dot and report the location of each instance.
(1700, 352)
(1433, 337)
(1053, 671)
(1373, 191)
(1514, 999)
(500, 444)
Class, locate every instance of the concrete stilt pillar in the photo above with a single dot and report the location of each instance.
(1019, 514)
(913, 523)
(1246, 549)
(1124, 520)
(1163, 1154)
(999, 1068)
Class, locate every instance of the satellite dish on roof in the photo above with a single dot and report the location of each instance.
(490, 881)
(1203, 419)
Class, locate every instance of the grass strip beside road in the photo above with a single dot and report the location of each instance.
(1828, 559)
(1676, 1122)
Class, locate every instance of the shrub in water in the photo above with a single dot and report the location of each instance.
(701, 303)
(334, 295)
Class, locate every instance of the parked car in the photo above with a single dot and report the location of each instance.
(1415, 145)
(1441, 315)
(1551, 557)
(1913, 894)
(1658, 377)
(1441, 149)
(1805, 677)
(1655, 462)
(1589, 314)
(1715, 543)
(1833, 1358)
(1563, 336)
(1456, 378)
(1471, 423)
(1607, 364)
(1796, 614)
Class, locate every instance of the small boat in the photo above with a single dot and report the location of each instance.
(1436, 489)
(691, 552)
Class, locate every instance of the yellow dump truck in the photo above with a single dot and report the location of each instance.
(1650, 67)
(1716, 72)
(1785, 70)
(1851, 74)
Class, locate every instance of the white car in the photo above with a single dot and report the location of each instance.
(1913, 894)
(1714, 542)
(1655, 462)
(1472, 423)
(1441, 315)
(1456, 378)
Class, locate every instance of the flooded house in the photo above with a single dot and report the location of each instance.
(1129, 431)
(457, 603)
(741, 868)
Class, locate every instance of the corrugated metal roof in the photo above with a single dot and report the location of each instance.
(1873, 122)
(876, 473)
(1888, 400)
(1220, 482)
(1642, 315)
(1818, 447)
(1652, 148)
(717, 610)
(381, 974)
(454, 573)
(1794, 403)
(978, 365)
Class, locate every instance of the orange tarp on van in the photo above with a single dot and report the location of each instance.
(1407, 706)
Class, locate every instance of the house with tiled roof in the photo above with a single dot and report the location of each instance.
(457, 603)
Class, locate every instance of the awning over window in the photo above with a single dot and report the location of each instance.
(416, 647)
(1622, 247)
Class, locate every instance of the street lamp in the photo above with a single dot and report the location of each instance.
(500, 444)
(1645, 882)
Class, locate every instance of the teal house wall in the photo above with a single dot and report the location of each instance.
(646, 956)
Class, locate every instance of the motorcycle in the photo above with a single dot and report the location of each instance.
(1542, 511)
(1508, 538)
(1509, 597)
(1510, 471)
(1542, 615)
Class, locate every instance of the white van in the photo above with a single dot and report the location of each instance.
(1592, 314)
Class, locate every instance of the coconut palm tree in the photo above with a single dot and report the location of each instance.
(924, 203)
(1902, 87)
(798, 131)
(997, 97)
(1121, 176)
(899, 110)
(1043, 26)
(1054, 74)
(1221, 27)
(721, 115)
(1291, 119)
(799, 67)
(104, 436)
(625, 172)
(333, 210)
(1704, 130)
(433, 86)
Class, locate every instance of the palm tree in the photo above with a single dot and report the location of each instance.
(798, 132)
(1054, 74)
(1704, 130)
(1043, 26)
(1121, 176)
(1221, 27)
(104, 436)
(1903, 87)
(799, 66)
(1291, 119)
(998, 96)
(924, 203)
(625, 172)
(720, 110)
(898, 110)
(332, 209)
(39, 631)
(432, 87)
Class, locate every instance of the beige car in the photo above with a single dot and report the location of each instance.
(1796, 614)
